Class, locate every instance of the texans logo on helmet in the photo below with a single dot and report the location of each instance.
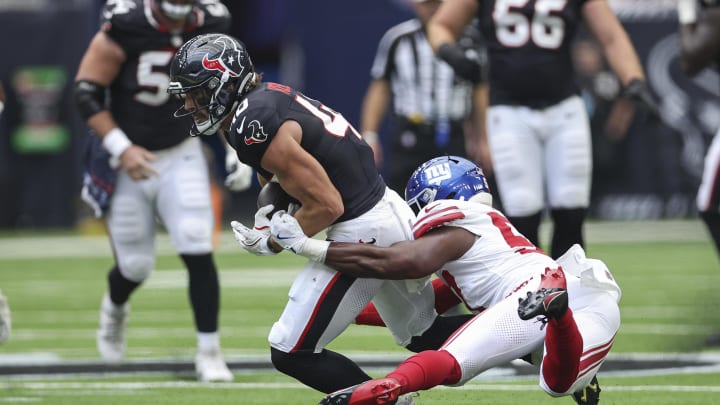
(257, 133)
(226, 58)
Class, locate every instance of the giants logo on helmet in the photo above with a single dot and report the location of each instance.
(436, 174)
(227, 57)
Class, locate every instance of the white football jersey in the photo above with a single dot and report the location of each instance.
(501, 260)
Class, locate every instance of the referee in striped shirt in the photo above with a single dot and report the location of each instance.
(438, 103)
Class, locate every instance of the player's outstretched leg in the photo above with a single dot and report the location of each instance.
(550, 300)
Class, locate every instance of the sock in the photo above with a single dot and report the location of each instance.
(567, 230)
(119, 287)
(207, 341)
(437, 333)
(564, 345)
(204, 291)
(369, 316)
(426, 370)
(528, 226)
(712, 221)
(326, 371)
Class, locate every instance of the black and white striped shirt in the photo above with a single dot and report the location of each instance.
(424, 88)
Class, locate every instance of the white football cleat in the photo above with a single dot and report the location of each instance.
(210, 366)
(5, 326)
(111, 333)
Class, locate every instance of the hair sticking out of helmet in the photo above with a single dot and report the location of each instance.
(447, 178)
(211, 72)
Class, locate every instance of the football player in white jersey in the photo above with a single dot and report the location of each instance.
(563, 312)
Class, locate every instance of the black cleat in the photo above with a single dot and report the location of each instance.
(589, 395)
(550, 300)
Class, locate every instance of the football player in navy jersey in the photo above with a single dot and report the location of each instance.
(323, 162)
(537, 125)
(156, 171)
(700, 48)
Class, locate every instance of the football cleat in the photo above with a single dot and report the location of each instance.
(549, 301)
(111, 333)
(380, 391)
(589, 395)
(210, 367)
(4, 319)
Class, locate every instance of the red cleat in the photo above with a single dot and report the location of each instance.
(380, 391)
(550, 300)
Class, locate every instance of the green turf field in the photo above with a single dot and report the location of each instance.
(668, 270)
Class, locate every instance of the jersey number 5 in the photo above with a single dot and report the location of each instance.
(514, 29)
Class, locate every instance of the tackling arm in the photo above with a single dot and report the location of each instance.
(403, 260)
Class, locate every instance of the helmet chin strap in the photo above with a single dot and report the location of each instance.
(175, 11)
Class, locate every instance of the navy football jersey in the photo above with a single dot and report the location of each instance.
(139, 100)
(326, 135)
(529, 49)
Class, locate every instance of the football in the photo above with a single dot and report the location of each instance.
(272, 193)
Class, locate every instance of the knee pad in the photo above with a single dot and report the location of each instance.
(195, 235)
(137, 267)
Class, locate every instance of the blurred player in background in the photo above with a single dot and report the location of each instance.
(565, 312)
(320, 160)
(537, 125)
(437, 108)
(700, 48)
(158, 171)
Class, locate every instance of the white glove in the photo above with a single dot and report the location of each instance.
(251, 240)
(687, 11)
(239, 176)
(262, 223)
(287, 232)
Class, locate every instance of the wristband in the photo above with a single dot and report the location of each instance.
(314, 249)
(370, 137)
(115, 142)
(687, 11)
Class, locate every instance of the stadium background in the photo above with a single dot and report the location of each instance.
(317, 45)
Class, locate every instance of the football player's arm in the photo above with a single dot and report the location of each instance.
(619, 51)
(449, 22)
(476, 136)
(302, 176)
(100, 66)
(374, 107)
(700, 41)
(402, 260)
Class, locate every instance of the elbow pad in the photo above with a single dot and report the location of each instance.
(90, 98)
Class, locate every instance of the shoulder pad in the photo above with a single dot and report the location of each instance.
(122, 14)
(435, 215)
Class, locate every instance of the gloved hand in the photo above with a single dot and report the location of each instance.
(251, 240)
(239, 176)
(262, 223)
(637, 90)
(464, 66)
(286, 231)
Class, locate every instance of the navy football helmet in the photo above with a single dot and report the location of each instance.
(446, 178)
(215, 71)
